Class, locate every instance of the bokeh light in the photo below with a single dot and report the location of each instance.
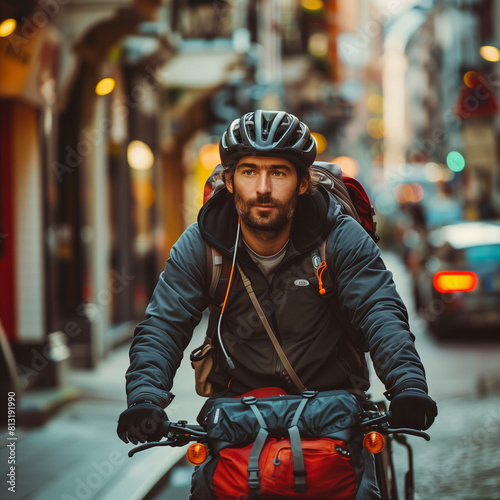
(470, 78)
(105, 86)
(318, 44)
(209, 156)
(375, 128)
(455, 161)
(321, 141)
(348, 165)
(7, 27)
(490, 53)
(408, 193)
(433, 172)
(375, 104)
(312, 4)
(140, 156)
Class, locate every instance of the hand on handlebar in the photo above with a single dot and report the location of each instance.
(413, 408)
(141, 423)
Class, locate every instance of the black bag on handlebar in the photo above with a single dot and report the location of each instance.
(283, 446)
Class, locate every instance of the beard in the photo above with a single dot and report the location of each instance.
(271, 222)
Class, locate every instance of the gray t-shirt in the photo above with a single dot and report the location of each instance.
(267, 263)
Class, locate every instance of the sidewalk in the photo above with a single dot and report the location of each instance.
(77, 455)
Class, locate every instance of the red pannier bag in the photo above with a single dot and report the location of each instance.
(272, 445)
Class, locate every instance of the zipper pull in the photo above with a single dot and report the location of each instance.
(319, 273)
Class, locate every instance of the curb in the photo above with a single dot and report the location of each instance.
(36, 408)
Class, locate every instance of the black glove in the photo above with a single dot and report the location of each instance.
(141, 422)
(413, 408)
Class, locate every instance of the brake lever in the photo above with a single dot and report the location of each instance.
(411, 432)
(146, 446)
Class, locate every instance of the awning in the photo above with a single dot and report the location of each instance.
(198, 70)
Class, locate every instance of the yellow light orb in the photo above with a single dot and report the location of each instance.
(490, 53)
(312, 4)
(105, 86)
(321, 141)
(7, 27)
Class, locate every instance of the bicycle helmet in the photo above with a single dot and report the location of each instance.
(268, 133)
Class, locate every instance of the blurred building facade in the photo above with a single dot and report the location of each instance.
(111, 112)
(442, 71)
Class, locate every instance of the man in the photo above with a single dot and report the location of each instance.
(283, 218)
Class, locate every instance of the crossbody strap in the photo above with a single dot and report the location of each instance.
(288, 367)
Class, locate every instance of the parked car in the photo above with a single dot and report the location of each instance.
(457, 286)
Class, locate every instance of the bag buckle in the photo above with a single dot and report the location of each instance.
(249, 400)
(308, 394)
(253, 477)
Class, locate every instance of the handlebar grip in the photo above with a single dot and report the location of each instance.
(165, 426)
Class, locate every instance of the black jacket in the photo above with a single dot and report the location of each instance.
(317, 332)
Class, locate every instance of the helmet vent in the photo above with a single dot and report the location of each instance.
(272, 133)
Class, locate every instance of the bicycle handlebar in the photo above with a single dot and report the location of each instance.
(381, 422)
(181, 433)
(177, 434)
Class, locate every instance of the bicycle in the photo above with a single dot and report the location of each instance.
(379, 437)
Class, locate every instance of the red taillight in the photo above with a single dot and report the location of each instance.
(454, 281)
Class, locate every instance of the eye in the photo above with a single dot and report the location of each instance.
(247, 172)
(278, 173)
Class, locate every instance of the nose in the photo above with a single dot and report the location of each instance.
(264, 184)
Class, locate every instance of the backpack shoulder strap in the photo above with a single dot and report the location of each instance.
(218, 272)
(214, 268)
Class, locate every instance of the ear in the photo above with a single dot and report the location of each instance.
(229, 182)
(304, 185)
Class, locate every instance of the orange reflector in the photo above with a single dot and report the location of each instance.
(454, 281)
(197, 453)
(374, 442)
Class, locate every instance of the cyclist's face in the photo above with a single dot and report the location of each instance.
(265, 191)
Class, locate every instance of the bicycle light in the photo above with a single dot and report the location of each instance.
(374, 442)
(197, 453)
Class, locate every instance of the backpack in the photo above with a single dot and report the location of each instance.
(348, 191)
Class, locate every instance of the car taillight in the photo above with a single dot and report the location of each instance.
(454, 281)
